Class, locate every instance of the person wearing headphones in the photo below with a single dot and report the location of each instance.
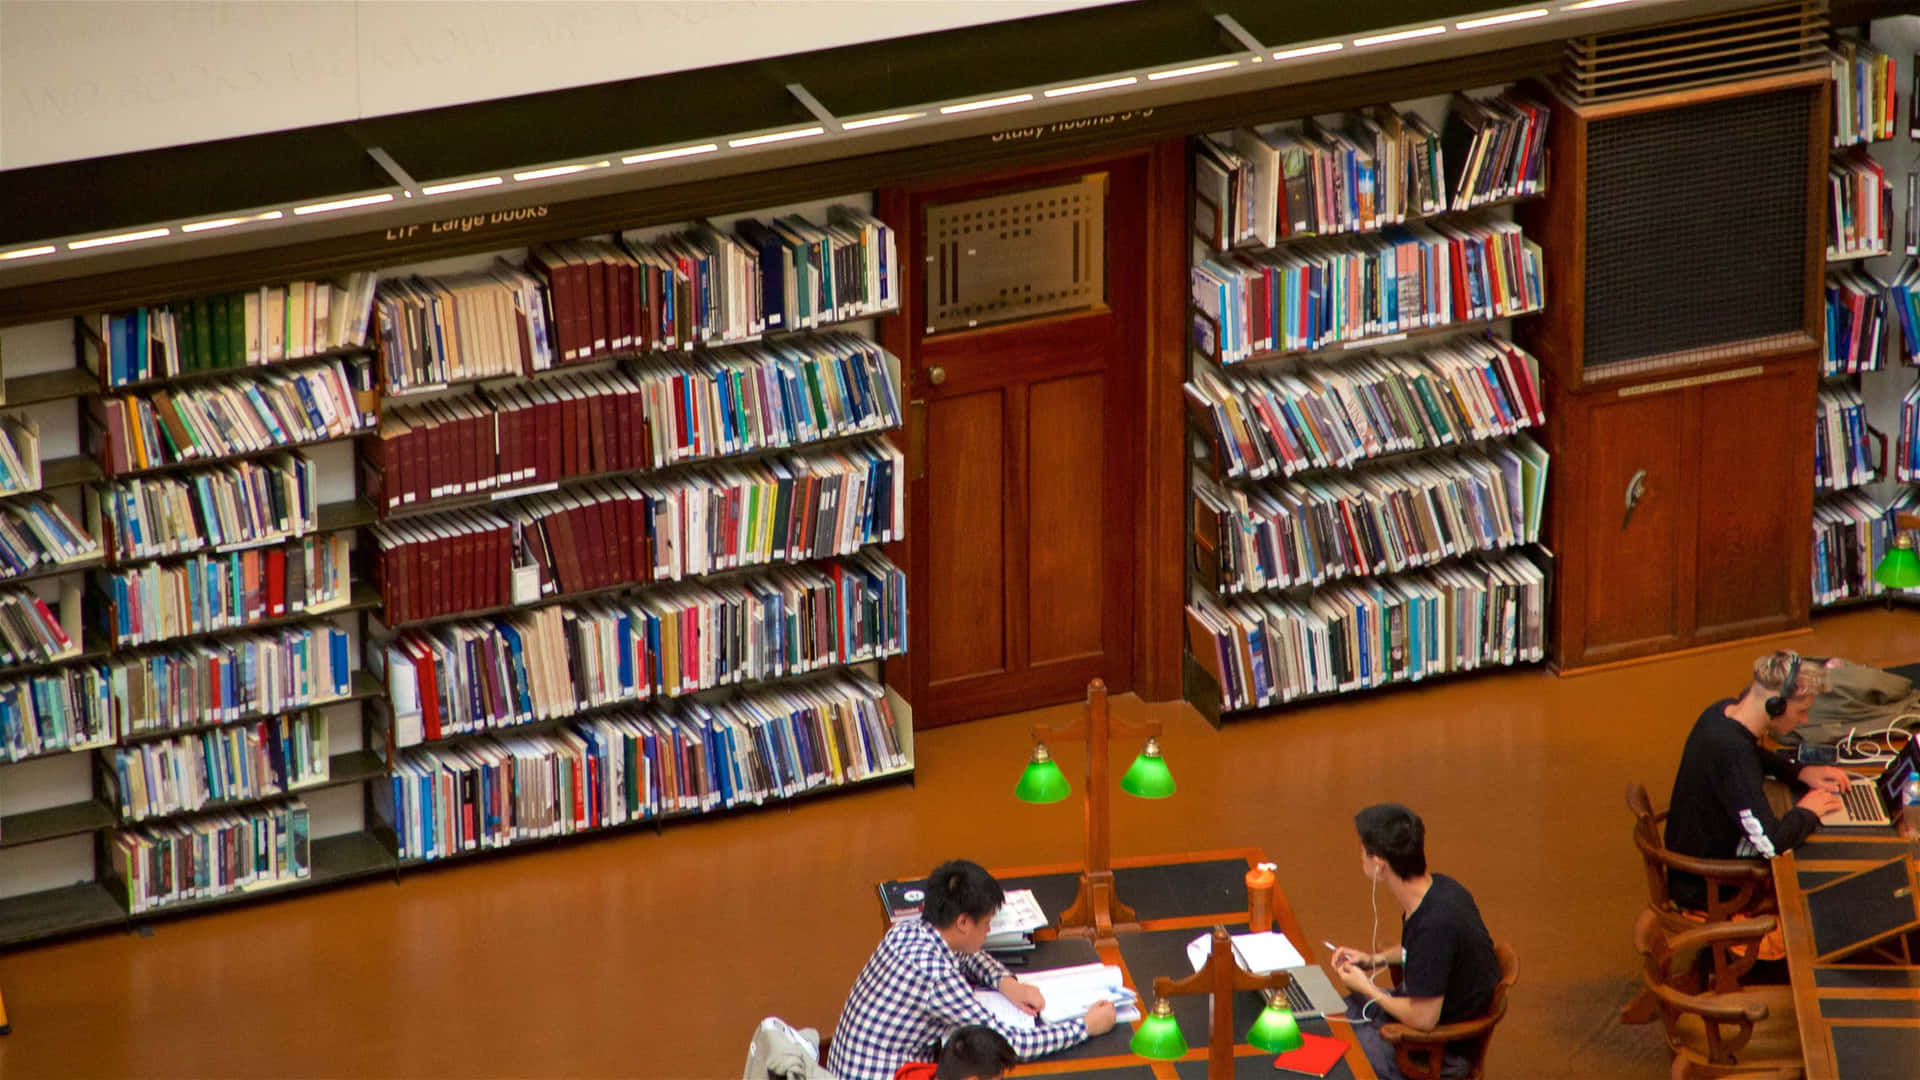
(1719, 808)
(1450, 967)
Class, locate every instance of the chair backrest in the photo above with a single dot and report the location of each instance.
(1421, 1054)
(1647, 837)
(1725, 1019)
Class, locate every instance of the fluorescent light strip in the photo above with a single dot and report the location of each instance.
(985, 103)
(1197, 69)
(664, 155)
(121, 238)
(462, 185)
(1308, 50)
(341, 204)
(1399, 35)
(28, 253)
(229, 222)
(880, 121)
(1088, 88)
(559, 170)
(778, 136)
(1585, 4)
(1497, 20)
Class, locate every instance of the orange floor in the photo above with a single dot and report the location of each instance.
(653, 956)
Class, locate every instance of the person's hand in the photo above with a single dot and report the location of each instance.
(1824, 777)
(1343, 956)
(1100, 1018)
(1025, 995)
(1820, 802)
(1357, 978)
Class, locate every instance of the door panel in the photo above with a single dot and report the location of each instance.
(965, 436)
(1754, 502)
(1065, 543)
(1632, 581)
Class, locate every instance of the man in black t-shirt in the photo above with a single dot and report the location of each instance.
(1450, 966)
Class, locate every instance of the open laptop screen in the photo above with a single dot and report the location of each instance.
(1893, 779)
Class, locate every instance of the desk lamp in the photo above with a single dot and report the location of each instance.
(1274, 1030)
(1900, 568)
(1096, 913)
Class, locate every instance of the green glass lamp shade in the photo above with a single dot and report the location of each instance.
(1900, 567)
(1274, 1030)
(1043, 781)
(1148, 777)
(1158, 1036)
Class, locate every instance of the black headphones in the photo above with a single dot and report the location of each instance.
(1777, 704)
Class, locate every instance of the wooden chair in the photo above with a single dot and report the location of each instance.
(1735, 888)
(1419, 1053)
(1720, 1036)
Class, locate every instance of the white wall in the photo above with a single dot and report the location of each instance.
(83, 79)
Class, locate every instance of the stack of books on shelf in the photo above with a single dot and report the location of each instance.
(1273, 422)
(232, 764)
(1905, 466)
(639, 764)
(562, 659)
(66, 709)
(1850, 534)
(38, 534)
(1856, 337)
(285, 407)
(1267, 650)
(1865, 93)
(1860, 203)
(19, 455)
(1321, 293)
(1842, 457)
(30, 631)
(1904, 297)
(268, 325)
(216, 855)
(243, 504)
(157, 601)
(225, 679)
(1383, 519)
(430, 332)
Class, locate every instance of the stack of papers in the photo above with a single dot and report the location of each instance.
(1069, 993)
(1013, 925)
(1258, 953)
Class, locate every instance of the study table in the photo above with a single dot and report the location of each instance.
(1177, 898)
(1859, 1016)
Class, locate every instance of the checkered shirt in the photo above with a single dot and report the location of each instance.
(914, 991)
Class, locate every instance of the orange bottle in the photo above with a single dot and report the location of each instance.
(1260, 898)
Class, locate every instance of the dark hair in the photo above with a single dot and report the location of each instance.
(974, 1052)
(960, 887)
(1395, 834)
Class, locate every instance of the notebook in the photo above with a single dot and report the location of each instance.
(1315, 1056)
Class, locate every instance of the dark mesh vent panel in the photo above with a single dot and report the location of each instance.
(1696, 227)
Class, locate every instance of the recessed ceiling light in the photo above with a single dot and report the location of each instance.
(986, 103)
(120, 238)
(462, 185)
(665, 155)
(1398, 35)
(1088, 88)
(1196, 69)
(881, 121)
(778, 136)
(341, 204)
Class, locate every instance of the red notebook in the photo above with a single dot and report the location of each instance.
(1316, 1056)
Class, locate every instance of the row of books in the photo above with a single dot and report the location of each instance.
(68, 708)
(1321, 293)
(19, 455)
(242, 504)
(184, 774)
(37, 534)
(1842, 454)
(559, 660)
(203, 594)
(638, 764)
(1366, 170)
(31, 631)
(1334, 416)
(1860, 205)
(268, 325)
(1905, 466)
(773, 395)
(1482, 612)
(1390, 518)
(1903, 296)
(1865, 95)
(285, 407)
(1850, 534)
(432, 331)
(165, 864)
(1856, 332)
(704, 286)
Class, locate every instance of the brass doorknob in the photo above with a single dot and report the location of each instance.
(936, 375)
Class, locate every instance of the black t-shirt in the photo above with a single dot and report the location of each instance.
(1449, 953)
(1719, 810)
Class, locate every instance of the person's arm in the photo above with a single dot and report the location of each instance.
(1777, 766)
(1739, 791)
(1421, 1013)
(950, 1000)
(983, 969)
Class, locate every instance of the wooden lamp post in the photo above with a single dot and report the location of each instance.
(1096, 912)
(1220, 978)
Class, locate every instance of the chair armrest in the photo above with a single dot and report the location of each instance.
(1722, 933)
(1730, 870)
(1720, 1008)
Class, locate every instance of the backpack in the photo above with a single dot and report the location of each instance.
(1862, 700)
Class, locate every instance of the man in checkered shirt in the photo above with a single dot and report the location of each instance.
(918, 986)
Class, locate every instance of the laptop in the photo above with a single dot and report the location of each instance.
(1312, 994)
(1868, 802)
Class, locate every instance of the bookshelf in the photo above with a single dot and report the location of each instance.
(826, 401)
(1362, 489)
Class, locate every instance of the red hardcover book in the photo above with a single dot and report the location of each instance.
(424, 672)
(1315, 1056)
(551, 266)
(276, 582)
(599, 422)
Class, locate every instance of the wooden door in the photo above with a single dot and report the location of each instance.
(1021, 542)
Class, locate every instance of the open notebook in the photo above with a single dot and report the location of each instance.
(1070, 992)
